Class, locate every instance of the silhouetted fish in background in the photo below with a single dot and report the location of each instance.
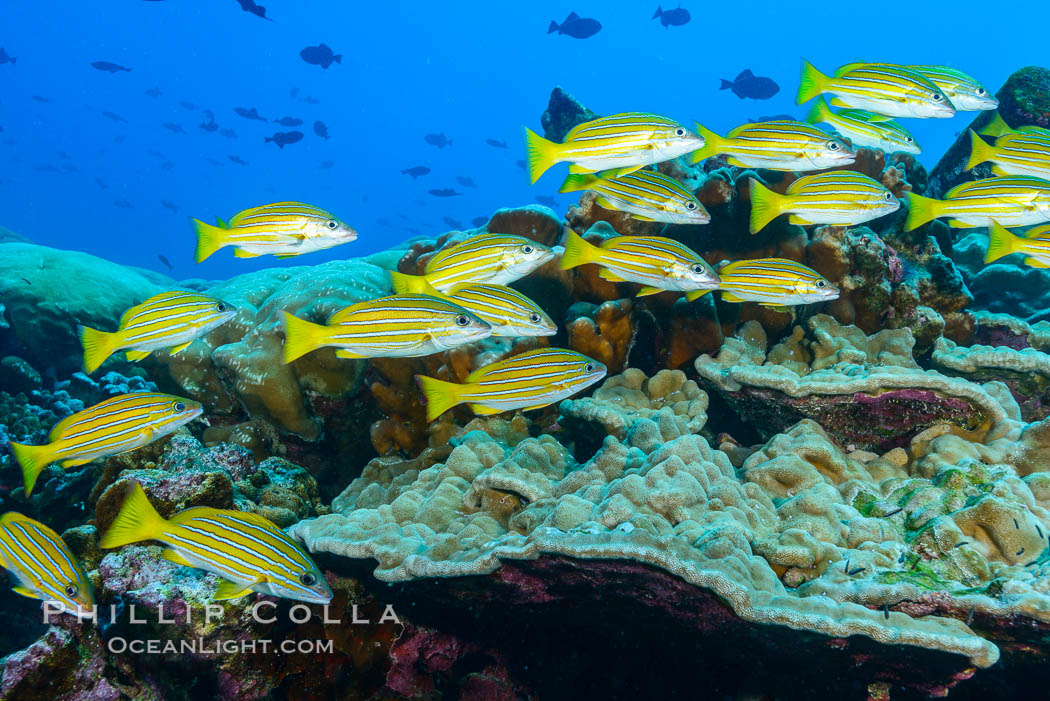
(63, 155)
(416, 171)
(228, 133)
(172, 127)
(214, 162)
(288, 121)
(293, 93)
(155, 153)
(383, 222)
(70, 168)
(523, 165)
(123, 204)
(6, 57)
(283, 138)
(174, 208)
(320, 55)
(250, 6)
(167, 165)
(496, 143)
(772, 118)
(465, 181)
(46, 168)
(101, 183)
(413, 230)
(154, 92)
(165, 261)
(439, 140)
(209, 124)
(576, 27)
(321, 129)
(479, 221)
(325, 165)
(249, 114)
(672, 18)
(109, 67)
(238, 160)
(38, 98)
(114, 116)
(749, 85)
(311, 100)
(188, 105)
(445, 192)
(455, 224)
(119, 138)
(545, 199)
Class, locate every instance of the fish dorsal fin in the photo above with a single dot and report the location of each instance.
(843, 70)
(745, 74)
(126, 316)
(58, 429)
(571, 17)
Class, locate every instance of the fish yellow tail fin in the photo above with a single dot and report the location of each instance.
(33, 459)
(209, 239)
(980, 151)
(136, 521)
(713, 144)
(766, 205)
(410, 284)
(921, 210)
(819, 112)
(578, 181)
(1000, 242)
(811, 84)
(441, 396)
(577, 251)
(301, 336)
(542, 154)
(98, 345)
(997, 127)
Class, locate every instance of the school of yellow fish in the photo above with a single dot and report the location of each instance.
(463, 294)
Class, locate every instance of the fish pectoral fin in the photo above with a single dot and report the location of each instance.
(343, 353)
(997, 170)
(134, 356)
(574, 168)
(730, 297)
(230, 590)
(693, 295)
(960, 224)
(734, 161)
(641, 217)
(534, 407)
(25, 591)
(172, 555)
(241, 253)
(606, 274)
(649, 290)
(66, 464)
(626, 170)
(482, 410)
(836, 102)
(1036, 263)
(179, 348)
(603, 202)
(796, 219)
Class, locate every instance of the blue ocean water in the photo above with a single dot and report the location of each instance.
(469, 70)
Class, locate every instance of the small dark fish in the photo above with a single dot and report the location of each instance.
(249, 114)
(576, 27)
(114, 116)
(170, 206)
(495, 143)
(772, 118)
(119, 138)
(214, 162)
(6, 57)
(465, 181)
(311, 100)
(416, 171)
(521, 164)
(167, 165)
(228, 133)
(165, 261)
(383, 222)
(46, 168)
(250, 6)
(402, 215)
(293, 93)
(188, 105)
(452, 222)
(109, 67)
(672, 18)
(479, 221)
(123, 204)
(325, 165)
(70, 168)
(26, 281)
(413, 230)
(321, 129)
(439, 140)
(288, 121)
(283, 138)
(320, 55)
(445, 192)
(546, 199)
(63, 155)
(749, 85)
(154, 92)
(209, 124)
(155, 153)
(238, 160)
(101, 183)
(173, 127)
(38, 98)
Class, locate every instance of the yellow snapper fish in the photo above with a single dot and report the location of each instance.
(493, 259)
(865, 128)
(247, 551)
(964, 92)
(645, 195)
(532, 380)
(839, 197)
(1016, 200)
(400, 326)
(773, 282)
(999, 127)
(170, 320)
(778, 145)
(894, 91)
(622, 143)
(659, 264)
(282, 229)
(507, 311)
(1035, 244)
(43, 565)
(1012, 154)
(117, 425)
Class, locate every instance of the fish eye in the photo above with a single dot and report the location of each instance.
(71, 591)
(220, 307)
(937, 97)
(833, 146)
(980, 91)
(679, 131)
(690, 206)
(534, 318)
(462, 320)
(589, 367)
(180, 406)
(698, 269)
(332, 224)
(527, 249)
(820, 283)
(908, 139)
(889, 196)
(307, 579)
